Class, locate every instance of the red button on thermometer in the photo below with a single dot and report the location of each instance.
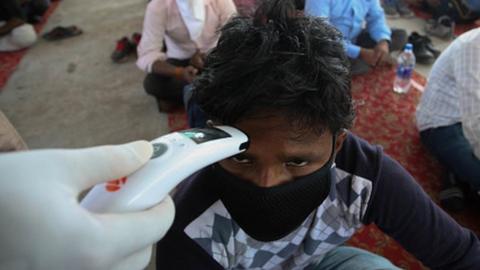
(176, 156)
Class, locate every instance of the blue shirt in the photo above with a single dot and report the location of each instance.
(349, 17)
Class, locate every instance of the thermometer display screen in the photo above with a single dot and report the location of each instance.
(201, 135)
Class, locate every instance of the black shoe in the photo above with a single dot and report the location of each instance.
(421, 45)
(428, 43)
(432, 49)
(452, 197)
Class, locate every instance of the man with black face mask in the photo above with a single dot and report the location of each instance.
(305, 185)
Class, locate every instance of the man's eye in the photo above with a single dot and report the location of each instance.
(240, 159)
(297, 163)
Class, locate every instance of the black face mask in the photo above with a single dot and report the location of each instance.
(268, 214)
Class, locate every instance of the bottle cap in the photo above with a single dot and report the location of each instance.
(409, 46)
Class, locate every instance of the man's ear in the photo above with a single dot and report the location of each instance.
(341, 136)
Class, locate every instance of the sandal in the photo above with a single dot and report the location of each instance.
(61, 32)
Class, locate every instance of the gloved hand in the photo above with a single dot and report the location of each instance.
(42, 225)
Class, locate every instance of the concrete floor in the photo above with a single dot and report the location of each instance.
(69, 93)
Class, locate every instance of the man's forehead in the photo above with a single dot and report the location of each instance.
(277, 123)
(281, 128)
(306, 136)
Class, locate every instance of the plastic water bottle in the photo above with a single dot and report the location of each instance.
(405, 66)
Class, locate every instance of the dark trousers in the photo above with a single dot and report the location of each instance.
(34, 9)
(452, 149)
(398, 40)
(10, 9)
(27, 11)
(195, 115)
(164, 87)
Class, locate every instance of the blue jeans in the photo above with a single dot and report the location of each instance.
(196, 117)
(451, 148)
(350, 258)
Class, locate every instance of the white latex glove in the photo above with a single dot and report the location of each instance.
(42, 225)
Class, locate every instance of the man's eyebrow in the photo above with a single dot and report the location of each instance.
(311, 155)
(245, 155)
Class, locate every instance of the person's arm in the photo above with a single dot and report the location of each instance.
(227, 10)
(400, 208)
(186, 74)
(353, 51)
(318, 8)
(150, 48)
(321, 8)
(467, 76)
(376, 24)
(150, 56)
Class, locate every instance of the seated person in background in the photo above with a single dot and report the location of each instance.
(448, 115)
(448, 12)
(188, 28)
(369, 47)
(34, 9)
(305, 185)
(396, 8)
(15, 33)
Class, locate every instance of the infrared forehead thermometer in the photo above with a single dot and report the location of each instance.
(175, 157)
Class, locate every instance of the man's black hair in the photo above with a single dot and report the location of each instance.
(300, 4)
(282, 62)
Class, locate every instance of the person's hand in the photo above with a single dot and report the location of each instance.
(381, 52)
(369, 56)
(9, 25)
(43, 226)
(186, 74)
(198, 60)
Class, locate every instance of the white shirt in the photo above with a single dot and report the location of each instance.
(193, 15)
(163, 22)
(452, 94)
